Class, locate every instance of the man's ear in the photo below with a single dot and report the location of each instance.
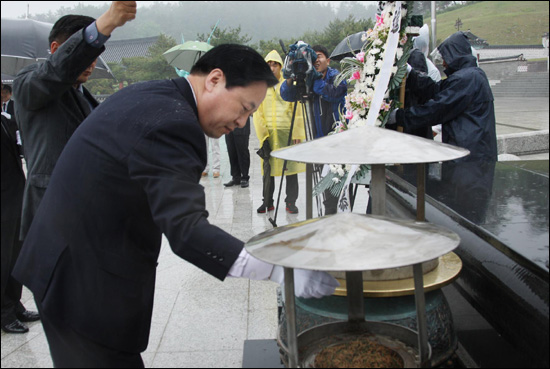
(215, 77)
(54, 46)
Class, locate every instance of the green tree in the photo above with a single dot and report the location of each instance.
(153, 66)
(225, 36)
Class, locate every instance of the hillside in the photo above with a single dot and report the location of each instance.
(499, 22)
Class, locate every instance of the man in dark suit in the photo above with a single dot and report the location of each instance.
(7, 102)
(14, 314)
(239, 156)
(51, 101)
(129, 174)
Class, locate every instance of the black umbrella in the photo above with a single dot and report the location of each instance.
(25, 42)
(349, 46)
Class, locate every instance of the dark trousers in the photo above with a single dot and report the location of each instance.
(291, 189)
(11, 289)
(239, 156)
(70, 349)
(331, 203)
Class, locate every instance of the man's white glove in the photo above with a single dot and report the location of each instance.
(392, 120)
(7, 115)
(409, 68)
(307, 283)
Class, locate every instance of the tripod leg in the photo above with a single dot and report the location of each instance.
(274, 220)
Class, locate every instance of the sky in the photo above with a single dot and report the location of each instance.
(14, 9)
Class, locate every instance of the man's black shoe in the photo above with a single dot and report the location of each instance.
(232, 183)
(15, 327)
(28, 316)
(262, 209)
(291, 208)
(244, 183)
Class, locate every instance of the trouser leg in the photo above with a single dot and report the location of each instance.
(70, 349)
(291, 188)
(11, 289)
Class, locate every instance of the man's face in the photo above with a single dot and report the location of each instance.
(221, 110)
(275, 68)
(321, 64)
(83, 78)
(5, 96)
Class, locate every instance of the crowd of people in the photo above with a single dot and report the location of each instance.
(104, 181)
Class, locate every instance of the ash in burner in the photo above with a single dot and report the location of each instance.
(362, 353)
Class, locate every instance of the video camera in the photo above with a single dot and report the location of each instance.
(299, 64)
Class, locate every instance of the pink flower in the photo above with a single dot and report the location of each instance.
(348, 115)
(385, 106)
(379, 20)
(356, 75)
(360, 56)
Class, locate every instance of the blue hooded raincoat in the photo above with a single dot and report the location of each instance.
(462, 103)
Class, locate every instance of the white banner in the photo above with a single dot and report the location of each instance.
(385, 72)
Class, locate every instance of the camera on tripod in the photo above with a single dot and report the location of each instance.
(299, 65)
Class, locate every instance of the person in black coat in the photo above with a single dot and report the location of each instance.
(463, 103)
(51, 99)
(129, 174)
(14, 314)
(239, 155)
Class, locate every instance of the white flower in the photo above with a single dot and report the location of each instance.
(341, 172)
(369, 69)
(399, 53)
(336, 180)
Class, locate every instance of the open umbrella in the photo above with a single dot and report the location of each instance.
(348, 46)
(25, 42)
(185, 55)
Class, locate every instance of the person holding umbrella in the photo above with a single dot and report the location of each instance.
(272, 122)
(51, 99)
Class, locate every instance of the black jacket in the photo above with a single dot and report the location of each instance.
(129, 174)
(49, 109)
(462, 103)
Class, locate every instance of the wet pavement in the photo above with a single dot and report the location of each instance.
(199, 321)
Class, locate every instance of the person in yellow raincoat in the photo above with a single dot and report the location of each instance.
(272, 122)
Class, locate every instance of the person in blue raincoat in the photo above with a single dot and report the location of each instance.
(463, 103)
(328, 103)
(328, 100)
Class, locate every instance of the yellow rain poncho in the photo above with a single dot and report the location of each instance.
(272, 122)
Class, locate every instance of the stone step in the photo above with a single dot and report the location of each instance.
(523, 85)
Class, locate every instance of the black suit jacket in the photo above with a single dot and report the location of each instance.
(13, 177)
(49, 109)
(129, 174)
(10, 108)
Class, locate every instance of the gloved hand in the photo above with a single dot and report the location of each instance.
(392, 120)
(409, 68)
(307, 283)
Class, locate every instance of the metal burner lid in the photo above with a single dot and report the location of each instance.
(370, 145)
(352, 242)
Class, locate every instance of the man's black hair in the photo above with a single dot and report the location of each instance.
(240, 64)
(67, 25)
(6, 88)
(321, 49)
